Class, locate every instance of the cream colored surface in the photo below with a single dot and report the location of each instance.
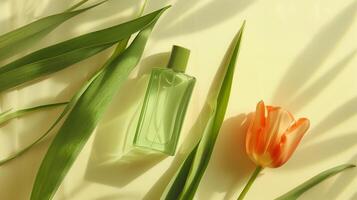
(298, 54)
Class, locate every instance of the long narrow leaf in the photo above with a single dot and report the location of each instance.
(85, 115)
(196, 163)
(299, 190)
(64, 54)
(68, 107)
(16, 40)
(121, 46)
(119, 49)
(8, 115)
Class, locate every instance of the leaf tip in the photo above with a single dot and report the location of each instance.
(166, 7)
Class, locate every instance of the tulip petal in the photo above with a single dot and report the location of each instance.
(257, 123)
(291, 139)
(259, 120)
(279, 121)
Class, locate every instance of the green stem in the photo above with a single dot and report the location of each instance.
(250, 182)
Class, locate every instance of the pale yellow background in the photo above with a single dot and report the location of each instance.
(298, 54)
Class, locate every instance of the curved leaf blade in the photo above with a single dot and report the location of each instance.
(119, 49)
(85, 115)
(68, 107)
(8, 115)
(13, 41)
(299, 190)
(194, 166)
(46, 61)
(28, 72)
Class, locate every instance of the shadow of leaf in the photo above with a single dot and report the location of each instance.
(320, 151)
(187, 17)
(343, 180)
(336, 117)
(307, 95)
(314, 54)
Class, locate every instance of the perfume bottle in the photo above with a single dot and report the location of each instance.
(165, 104)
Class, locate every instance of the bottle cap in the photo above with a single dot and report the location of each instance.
(179, 58)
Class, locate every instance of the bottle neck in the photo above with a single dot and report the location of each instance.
(179, 59)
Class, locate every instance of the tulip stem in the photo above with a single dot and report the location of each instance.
(250, 182)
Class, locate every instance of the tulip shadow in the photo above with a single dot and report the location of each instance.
(314, 54)
(113, 160)
(232, 165)
(187, 17)
(322, 150)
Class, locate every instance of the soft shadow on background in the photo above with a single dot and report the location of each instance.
(187, 17)
(290, 95)
(341, 183)
(313, 56)
(334, 186)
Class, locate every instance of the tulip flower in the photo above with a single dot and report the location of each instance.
(272, 137)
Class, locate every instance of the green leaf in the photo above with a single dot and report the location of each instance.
(85, 115)
(186, 181)
(8, 115)
(68, 107)
(64, 54)
(19, 39)
(299, 190)
(119, 49)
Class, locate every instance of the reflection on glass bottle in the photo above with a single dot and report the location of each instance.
(165, 104)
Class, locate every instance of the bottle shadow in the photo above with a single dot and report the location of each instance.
(113, 160)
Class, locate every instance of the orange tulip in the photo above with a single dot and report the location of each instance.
(273, 135)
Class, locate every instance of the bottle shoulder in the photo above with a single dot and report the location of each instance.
(170, 72)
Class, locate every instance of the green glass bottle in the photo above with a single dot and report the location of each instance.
(165, 104)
